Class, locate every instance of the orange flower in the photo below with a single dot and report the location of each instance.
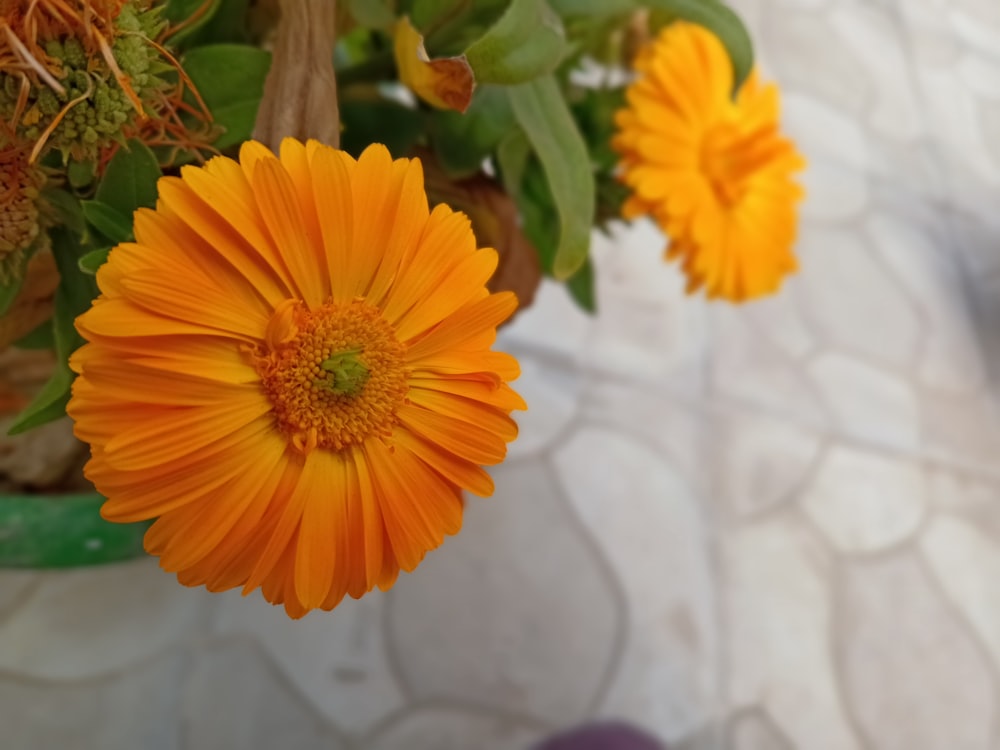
(715, 173)
(291, 369)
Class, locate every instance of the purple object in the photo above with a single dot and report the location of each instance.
(609, 736)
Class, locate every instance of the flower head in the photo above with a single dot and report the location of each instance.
(76, 74)
(291, 369)
(20, 183)
(713, 171)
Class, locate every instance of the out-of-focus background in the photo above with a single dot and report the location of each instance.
(774, 527)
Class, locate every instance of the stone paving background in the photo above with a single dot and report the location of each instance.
(765, 528)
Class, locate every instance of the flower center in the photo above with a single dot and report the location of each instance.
(335, 375)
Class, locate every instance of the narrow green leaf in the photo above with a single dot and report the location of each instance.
(74, 295)
(129, 182)
(542, 113)
(569, 8)
(9, 291)
(113, 225)
(230, 78)
(512, 158)
(581, 288)
(93, 260)
(527, 41)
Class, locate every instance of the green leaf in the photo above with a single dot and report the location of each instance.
(10, 290)
(542, 113)
(230, 78)
(67, 208)
(113, 225)
(527, 41)
(372, 14)
(177, 11)
(712, 14)
(463, 141)
(80, 173)
(581, 287)
(220, 21)
(512, 158)
(129, 182)
(90, 262)
(74, 295)
(42, 337)
(375, 120)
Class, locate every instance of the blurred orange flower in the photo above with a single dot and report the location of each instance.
(714, 172)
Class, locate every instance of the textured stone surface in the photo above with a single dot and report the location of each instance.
(89, 622)
(337, 661)
(864, 502)
(762, 461)
(133, 709)
(453, 729)
(942, 698)
(232, 699)
(647, 521)
(778, 597)
(519, 588)
(867, 402)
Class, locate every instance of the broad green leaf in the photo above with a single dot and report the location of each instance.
(512, 158)
(75, 293)
(129, 182)
(462, 141)
(542, 113)
(230, 78)
(712, 14)
(178, 11)
(113, 225)
(527, 41)
(90, 262)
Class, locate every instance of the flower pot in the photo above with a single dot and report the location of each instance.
(63, 531)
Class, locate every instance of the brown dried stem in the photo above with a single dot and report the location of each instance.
(300, 93)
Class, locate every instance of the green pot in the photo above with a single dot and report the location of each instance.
(63, 531)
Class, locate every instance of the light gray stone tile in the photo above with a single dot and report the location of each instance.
(650, 525)
(760, 462)
(14, 586)
(778, 600)
(868, 402)
(754, 730)
(515, 613)
(864, 502)
(552, 391)
(134, 709)
(912, 677)
(853, 300)
(337, 660)
(233, 700)
(453, 729)
(91, 621)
